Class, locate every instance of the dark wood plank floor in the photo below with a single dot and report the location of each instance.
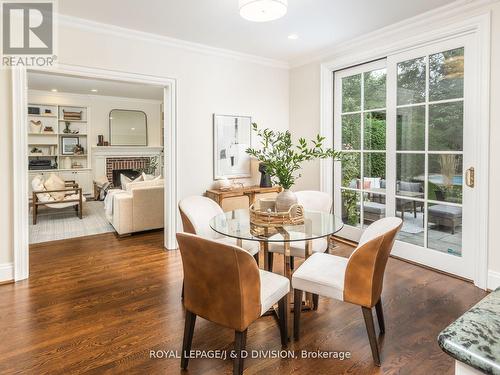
(100, 304)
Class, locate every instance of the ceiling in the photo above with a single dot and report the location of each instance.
(78, 85)
(318, 23)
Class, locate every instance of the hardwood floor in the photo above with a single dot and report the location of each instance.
(100, 304)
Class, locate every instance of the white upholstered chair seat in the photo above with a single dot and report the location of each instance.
(322, 274)
(298, 248)
(251, 246)
(273, 287)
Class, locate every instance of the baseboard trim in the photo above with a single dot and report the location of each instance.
(493, 280)
(6, 272)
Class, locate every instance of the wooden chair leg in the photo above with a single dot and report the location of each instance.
(370, 329)
(315, 301)
(380, 316)
(297, 308)
(240, 341)
(270, 260)
(283, 319)
(188, 338)
(256, 257)
(182, 291)
(35, 207)
(292, 263)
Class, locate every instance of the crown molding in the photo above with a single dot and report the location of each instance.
(62, 94)
(88, 25)
(446, 14)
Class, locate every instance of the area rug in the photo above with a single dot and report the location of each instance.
(59, 224)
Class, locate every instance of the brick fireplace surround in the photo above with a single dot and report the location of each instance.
(125, 163)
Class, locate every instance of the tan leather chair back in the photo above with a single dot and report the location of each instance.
(364, 275)
(221, 282)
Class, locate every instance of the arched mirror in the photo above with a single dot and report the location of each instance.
(128, 128)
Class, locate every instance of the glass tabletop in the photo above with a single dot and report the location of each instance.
(237, 224)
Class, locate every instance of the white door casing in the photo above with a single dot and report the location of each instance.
(20, 163)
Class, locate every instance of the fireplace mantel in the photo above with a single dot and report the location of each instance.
(117, 151)
(101, 153)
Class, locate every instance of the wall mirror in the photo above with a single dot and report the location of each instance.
(128, 128)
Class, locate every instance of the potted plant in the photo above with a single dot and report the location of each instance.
(282, 159)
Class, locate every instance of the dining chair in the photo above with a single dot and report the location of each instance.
(196, 212)
(224, 285)
(311, 201)
(357, 279)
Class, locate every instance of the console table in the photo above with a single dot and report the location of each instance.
(240, 197)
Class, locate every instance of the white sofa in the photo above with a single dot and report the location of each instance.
(138, 208)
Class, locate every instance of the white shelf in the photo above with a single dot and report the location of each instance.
(52, 141)
(58, 170)
(46, 116)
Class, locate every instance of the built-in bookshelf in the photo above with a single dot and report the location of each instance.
(57, 137)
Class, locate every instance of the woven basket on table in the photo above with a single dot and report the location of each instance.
(265, 223)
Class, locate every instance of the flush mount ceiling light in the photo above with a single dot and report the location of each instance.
(263, 10)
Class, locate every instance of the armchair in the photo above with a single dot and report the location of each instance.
(73, 196)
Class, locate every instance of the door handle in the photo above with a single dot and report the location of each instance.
(469, 177)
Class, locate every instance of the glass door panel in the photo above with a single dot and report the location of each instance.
(429, 166)
(361, 128)
(427, 112)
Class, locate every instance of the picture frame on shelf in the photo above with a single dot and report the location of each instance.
(232, 136)
(68, 145)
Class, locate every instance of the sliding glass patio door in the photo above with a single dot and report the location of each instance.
(406, 127)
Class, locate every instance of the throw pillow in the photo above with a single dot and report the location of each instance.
(124, 180)
(37, 185)
(149, 177)
(54, 182)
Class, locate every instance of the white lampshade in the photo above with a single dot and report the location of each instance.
(263, 10)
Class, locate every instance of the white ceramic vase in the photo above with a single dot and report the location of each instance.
(285, 200)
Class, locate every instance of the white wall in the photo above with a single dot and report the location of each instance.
(100, 106)
(208, 82)
(305, 104)
(305, 117)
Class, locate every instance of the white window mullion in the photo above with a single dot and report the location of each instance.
(426, 159)
(391, 154)
(362, 155)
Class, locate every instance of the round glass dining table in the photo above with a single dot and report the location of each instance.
(236, 224)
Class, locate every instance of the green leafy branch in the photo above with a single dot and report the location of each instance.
(283, 159)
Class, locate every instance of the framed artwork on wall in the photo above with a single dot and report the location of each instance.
(232, 136)
(68, 145)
